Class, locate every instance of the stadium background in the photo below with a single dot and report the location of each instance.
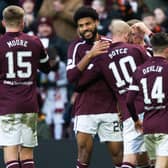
(62, 153)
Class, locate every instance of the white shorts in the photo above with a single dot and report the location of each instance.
(133, 140)
(156, 145)
(106, 125)
(18, 129)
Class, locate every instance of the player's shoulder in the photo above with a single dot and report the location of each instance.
(147, 63)
(133, 46)
(137, 48)
(77, 42)
(104, 38)
(18, 36)
(130, 47)
(30, 37)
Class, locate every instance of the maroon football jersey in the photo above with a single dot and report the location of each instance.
(150, 81)
(117, 67)
(94, 98)
(21, 56)
(149, 50)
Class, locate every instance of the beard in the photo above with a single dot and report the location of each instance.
(92, 39)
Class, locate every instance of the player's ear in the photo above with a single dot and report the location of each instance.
(126, 37)
(3, 23)
(22, 24)
(97, 22)
(165, 51)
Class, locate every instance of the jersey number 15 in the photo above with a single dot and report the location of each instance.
(20, 63)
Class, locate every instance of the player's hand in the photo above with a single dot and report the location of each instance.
(139, 126)
(119, 113)
(99, 47)
(120, 116)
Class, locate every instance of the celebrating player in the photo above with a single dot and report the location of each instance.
(95, 105)
(117, 67)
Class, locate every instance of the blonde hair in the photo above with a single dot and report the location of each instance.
(13, 15)
(119, 27)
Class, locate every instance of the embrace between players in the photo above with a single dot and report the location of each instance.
(108, 77)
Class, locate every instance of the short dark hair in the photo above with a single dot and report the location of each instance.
(83, 12)
(159, 41)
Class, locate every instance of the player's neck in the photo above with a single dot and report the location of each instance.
(142, 43)
(97, 37)
(9, 29)
(116, 39)
(159, 55)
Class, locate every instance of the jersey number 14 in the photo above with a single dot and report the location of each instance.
(156, 91)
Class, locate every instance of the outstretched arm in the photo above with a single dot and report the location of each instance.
(75, 69)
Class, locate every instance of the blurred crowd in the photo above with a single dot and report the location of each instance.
(52, 22)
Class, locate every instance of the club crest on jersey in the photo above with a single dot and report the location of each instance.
(90, 66)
